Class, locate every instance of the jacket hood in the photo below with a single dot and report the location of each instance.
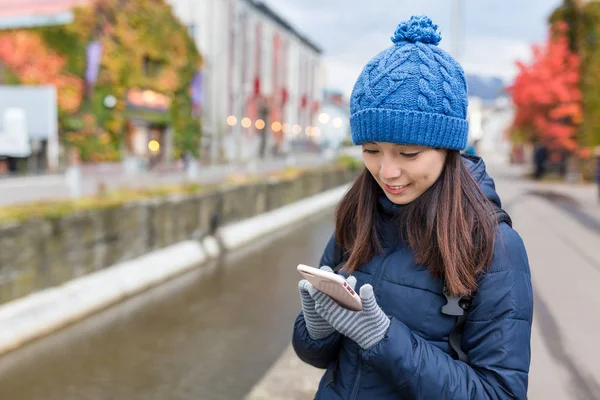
(483, 179)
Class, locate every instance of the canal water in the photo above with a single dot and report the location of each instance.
(210, 334)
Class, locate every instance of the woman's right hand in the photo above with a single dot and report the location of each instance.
(317, 327)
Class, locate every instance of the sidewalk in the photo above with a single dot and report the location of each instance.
(112, 176)
(565, 266)
(583, 195)
(288, 379)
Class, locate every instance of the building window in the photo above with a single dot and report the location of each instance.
(151, 67)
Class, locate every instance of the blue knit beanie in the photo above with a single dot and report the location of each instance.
(411, 93)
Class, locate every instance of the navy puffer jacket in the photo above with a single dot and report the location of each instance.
(415, 360)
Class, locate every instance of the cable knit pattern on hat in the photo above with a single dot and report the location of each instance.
(411, 93)
(427, 95)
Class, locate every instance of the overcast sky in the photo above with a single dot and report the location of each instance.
(495, 33)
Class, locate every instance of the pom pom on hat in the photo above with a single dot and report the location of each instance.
(417, 29)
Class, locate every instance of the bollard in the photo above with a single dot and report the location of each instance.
(290, 160)
(131, 165)
(73, 174)
(74, 180)
(192, 170)
(252, 167)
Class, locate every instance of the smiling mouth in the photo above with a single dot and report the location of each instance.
(395, 190)
(397, 187)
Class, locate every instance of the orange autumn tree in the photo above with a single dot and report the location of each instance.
(547, 96)
(33, 63)
(144, 46)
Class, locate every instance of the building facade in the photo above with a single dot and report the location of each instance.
(334, 121)
(121, 92)
(262, 79)
(259, 88)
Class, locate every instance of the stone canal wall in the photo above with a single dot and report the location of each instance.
(41, 253)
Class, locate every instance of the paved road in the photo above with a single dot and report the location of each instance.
(37, 188)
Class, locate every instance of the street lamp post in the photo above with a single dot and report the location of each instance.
(457, 24)
(264, 114)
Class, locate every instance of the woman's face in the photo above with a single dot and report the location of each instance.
(404, 172)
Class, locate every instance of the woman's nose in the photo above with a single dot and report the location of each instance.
(389, 170)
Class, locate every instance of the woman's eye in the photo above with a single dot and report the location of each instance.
(370, 151)
(410, 155)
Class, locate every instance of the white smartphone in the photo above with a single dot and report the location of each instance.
(333, 285)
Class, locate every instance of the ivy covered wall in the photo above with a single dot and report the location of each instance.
(144, 46)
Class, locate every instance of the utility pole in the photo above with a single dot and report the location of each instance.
(457, 31)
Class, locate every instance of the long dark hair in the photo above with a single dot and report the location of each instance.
(451, 227)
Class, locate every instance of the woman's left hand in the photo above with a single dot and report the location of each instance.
(366, 327)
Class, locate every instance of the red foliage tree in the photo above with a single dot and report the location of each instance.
(546, 93)
(29, 58)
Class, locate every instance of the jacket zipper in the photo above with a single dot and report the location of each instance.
(358, 371)
(358, 358)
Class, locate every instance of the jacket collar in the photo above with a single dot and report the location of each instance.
(385, 206)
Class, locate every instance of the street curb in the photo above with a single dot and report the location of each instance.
(241, 233)
(49, 310)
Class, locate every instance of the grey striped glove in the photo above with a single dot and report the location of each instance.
(317, 327)
(366, 327)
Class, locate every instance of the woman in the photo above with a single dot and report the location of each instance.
(598, 170)
(421, 233)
